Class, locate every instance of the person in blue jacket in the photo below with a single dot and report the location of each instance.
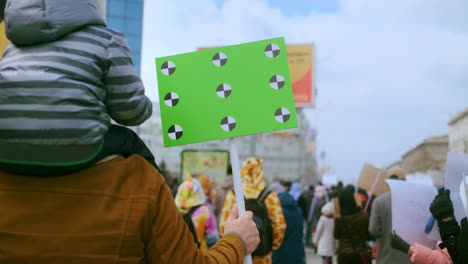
(291, 250)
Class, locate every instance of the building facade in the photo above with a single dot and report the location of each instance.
(458, 133)
(126, 16)
(430, 155)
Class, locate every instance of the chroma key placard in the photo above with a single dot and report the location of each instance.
(225, 92)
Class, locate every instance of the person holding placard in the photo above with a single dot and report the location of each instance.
(118, 211)
(380, 226)
(454, 236)
(420, 254)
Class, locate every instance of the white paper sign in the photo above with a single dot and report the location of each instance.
(464, 194)
(410, 211)
(455, 173)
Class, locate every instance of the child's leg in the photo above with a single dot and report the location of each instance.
(327, 260)
(324, 260)
(122, 140)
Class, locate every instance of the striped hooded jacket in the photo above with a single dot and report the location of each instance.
(63, 78)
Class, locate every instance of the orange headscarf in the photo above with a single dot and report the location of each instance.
(253, 181)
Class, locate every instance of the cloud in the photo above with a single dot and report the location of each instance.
(388, 73)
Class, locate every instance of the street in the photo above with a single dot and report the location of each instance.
(311, 257)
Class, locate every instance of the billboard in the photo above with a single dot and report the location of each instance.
(213, 163)
(300, 59)
(3, 39)
(301, 70)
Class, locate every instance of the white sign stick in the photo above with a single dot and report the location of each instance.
(238, 190)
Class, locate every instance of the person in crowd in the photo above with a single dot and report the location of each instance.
(420, 254)
(292, 249)
(63, 77)
(191, 198)
(119, 210)
(380, 226)
(351, 230)
(363, 196)
(304, 202)
(253, 183)
(173, 184)
(320, 198)
(276, 187)
(323, 238)
(454, 236)
(221, 191)
(333, 192)
(295, 190)
(207, 186)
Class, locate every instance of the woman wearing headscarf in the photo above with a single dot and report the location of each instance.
(319, 199)
(323, 237)
(295, 190)
(253, 184)
(291, 250)
(190, 195)
(351, 229)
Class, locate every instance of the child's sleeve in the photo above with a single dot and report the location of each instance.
(126, 101)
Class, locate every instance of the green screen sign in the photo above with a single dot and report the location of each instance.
(225, 92)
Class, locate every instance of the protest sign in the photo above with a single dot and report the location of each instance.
(372, 180)
(455, 173)
(464, 193)
(225, 92)
(410, 211)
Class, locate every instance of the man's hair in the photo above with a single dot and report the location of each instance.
(396, 177)
(286, 184)
(2, 9)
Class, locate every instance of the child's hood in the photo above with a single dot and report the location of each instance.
(36, 21)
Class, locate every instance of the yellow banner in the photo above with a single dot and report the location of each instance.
(3, 39)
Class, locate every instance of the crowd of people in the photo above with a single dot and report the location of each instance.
(341, 223)
(76, 189)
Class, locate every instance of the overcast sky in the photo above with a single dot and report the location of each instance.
(389, 73)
